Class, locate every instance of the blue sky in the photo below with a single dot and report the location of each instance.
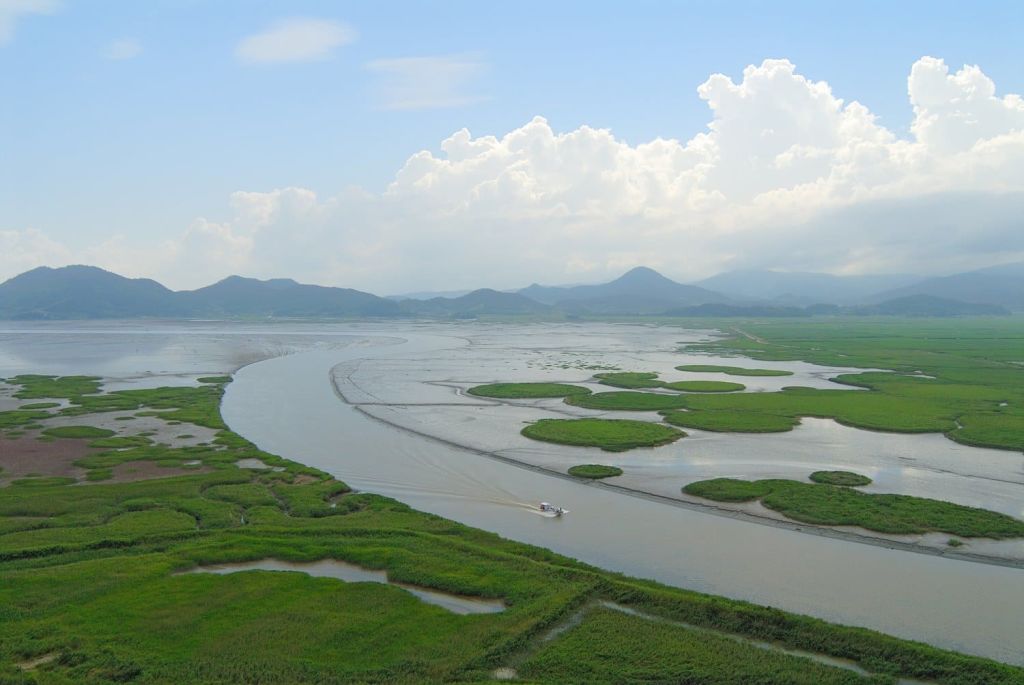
(140, 146)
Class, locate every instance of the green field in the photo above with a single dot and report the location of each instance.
(625, 400)
(90, 591)
(610, 647)
(521, 391)
(595, 471)
(731, 370)
(612, 435)
(961, 377)
(833, 505)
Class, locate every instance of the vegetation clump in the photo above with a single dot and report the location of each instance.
(81, 432)
(846, 478)
(705, 386)
(40, 405)
(831, 505)
(35, 386)
(627, 401)
(595, 471)
(960, 378)
(732, 370)
(527, 390)
(612, 435)
(630, 379)
(731, 421)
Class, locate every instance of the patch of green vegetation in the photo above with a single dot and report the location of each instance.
(630, 379)
(731, 370)
(40, 405)
(960, 377)
(20, 418)
(831, 505)
(34, 386)
(705, 386)
(218, 380)
(847, 478)
(99, 474)
(42, 481)
(610, 647)
(527, 390)
(121, 442)
(595, 471)
(874, 411)
(731, 421)
(628, 401)
(612, 435)
(89, 575)
(81, 432)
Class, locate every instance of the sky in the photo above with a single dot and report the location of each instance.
(411, 146)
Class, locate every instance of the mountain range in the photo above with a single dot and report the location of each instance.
(87, 292)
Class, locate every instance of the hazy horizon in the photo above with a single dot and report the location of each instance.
(332, 146)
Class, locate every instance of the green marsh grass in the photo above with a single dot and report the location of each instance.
(612, 435)
(527, 390)
(627, 401)
(595, 471)
(832, 505)
(731, 370)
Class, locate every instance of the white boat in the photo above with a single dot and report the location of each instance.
(549, 508)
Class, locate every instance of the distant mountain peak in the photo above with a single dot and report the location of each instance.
(640, 274)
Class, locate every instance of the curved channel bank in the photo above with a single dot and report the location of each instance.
(288, 406)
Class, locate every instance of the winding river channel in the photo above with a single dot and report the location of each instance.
(295, 405)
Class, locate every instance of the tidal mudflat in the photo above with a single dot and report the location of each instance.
(429, 393)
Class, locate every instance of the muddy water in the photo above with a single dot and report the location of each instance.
(289, 406)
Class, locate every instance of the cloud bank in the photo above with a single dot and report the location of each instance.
(786, 175)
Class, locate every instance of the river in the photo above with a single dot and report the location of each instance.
(289, 405)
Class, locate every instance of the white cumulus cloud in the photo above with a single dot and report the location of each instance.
(295, 40)
(787, 174)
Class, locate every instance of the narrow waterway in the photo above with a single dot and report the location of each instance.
(289, 406)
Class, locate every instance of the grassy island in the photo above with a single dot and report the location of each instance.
(832, 505)
(82, 432)
(731, 370)
(628, 401)
(846, 478)
(595, 471)
(630, 379)
(527, 391)
(705, 386)
(612, 435)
